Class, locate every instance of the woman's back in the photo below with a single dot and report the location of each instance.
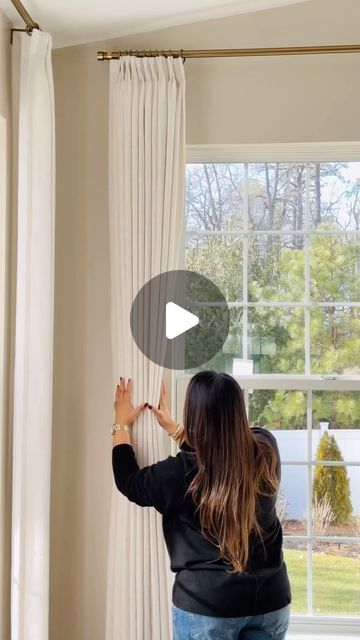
(203, 583)
(218, 501)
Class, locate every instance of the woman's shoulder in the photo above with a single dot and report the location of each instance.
(176, 466)
(264, 432)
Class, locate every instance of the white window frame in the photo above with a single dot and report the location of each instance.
(309, 153)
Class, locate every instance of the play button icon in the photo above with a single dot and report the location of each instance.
(180, 319)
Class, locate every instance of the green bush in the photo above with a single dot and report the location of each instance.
(332, 482)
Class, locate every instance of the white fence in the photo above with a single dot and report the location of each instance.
(293, 445)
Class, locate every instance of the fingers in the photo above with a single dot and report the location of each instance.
(163, 388)
(162, 394)
(139, 409)
(125, 389)
(124, 386)
(129, 387)
(155, 411)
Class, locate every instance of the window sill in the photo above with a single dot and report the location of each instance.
(319, 636)
(321, 628)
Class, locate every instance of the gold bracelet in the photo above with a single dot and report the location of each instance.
(117, 426)
(180, 439)
(178, 433)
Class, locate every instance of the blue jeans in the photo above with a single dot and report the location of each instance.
(265, 626)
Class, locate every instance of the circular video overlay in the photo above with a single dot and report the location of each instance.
(180, 319)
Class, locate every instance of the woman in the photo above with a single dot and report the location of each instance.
(217, 497)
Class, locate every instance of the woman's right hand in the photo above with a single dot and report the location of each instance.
(162, 413)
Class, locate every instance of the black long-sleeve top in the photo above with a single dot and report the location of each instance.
(202, 584)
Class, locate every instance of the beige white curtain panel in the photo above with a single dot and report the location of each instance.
(33, 342)
(146, 191)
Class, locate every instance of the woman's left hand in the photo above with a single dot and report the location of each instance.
(125, 413)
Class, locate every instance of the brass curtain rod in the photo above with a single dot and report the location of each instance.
(229, 53)
(30, 23)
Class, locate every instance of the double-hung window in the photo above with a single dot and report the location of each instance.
(277, 228)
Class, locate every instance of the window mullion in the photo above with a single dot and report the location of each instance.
(309, 504)
(307, 271)
(245, 262)
(309, 393)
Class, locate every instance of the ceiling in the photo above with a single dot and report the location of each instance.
(78, 21)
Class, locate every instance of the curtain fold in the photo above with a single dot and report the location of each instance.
(146, 199)
(32, 418)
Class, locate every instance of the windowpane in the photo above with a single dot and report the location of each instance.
(276, 340)
(336, 411)
(292, 501)
(279, 409)
(232, 348)
(214, 196)
(277, 196)
(335, 196)
(276, 268)
(335, 499)
(335, 268)
(336, 437)
(295, 555)
(335, 340)
(219, 258)
(336, 578)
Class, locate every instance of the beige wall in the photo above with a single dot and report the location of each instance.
(5, 253)
(227, 101)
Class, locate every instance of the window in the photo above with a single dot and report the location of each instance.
(277, 228)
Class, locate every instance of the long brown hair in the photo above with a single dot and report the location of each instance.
(235, 467)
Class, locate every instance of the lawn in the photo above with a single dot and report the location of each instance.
(336, 583)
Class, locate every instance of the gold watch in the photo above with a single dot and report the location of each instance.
(119, 427)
